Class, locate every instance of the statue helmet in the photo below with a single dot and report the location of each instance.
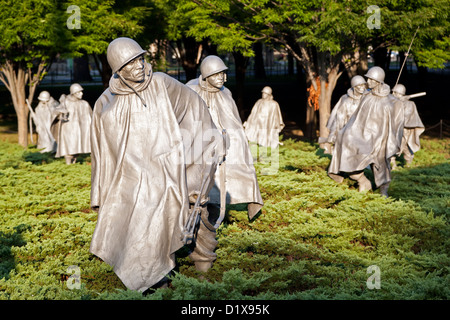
(121, 51)
(376, 73)
(357, 80)
(74, 88)
(399, 88)
(44, 96)
(267, 90)
(211, 65)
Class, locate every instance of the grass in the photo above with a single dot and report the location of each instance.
(314, 239)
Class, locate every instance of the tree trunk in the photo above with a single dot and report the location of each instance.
(17, 78)
(103, 68)
(241, 65)
(260, 71)
(81, 70)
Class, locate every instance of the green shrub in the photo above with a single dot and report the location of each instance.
(314, 238)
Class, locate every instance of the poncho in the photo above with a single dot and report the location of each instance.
(45, 114)
(264, 123)
(368, 138)
(241, 181)
(146, 160)
(74, 134)
(341, 113)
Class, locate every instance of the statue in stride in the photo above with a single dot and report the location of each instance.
(368, 138)
(345, 107)
(235, 179)
(154, 152)
(43, 117)
(408, 124)
(265, 121)
(74, 125)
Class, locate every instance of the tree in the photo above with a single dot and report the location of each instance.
(322, 35)
(31, 36)
(100, 23)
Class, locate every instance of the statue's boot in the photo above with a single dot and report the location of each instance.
(384, 189)
(336, 177)
(363, 183)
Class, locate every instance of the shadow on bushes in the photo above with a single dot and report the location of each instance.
(427, 186)
(7, 241)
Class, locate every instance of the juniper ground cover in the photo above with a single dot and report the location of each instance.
(315, 239)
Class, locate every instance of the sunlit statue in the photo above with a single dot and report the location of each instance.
(407, 123)
(265, 121)
(368, 139)
(43, 117)
(74, 125)
(345, 107)
(241, 185)
(154, 152)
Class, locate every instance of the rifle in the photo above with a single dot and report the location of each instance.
(415, 95)
(32, 116)
(193, 221)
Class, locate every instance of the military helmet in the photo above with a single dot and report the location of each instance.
(44, 96)
(121, 51)
(211, 65)
(376, 73)
(267, 90)
(399, 88)
(357, 80)
(74, 88)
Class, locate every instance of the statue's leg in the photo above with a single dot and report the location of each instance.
(203, 254)
(363, 183)
(69, 159)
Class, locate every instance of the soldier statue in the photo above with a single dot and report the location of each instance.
(237, 183)
(407, 122)
(265, 121)
(43, 117)
(74, 125)
(368, 139)
(154, 152)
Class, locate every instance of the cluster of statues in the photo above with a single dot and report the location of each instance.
(370, 127)
(167, 158)
(63, 126)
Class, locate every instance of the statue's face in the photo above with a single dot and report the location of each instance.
(78, 95)
(360, 88)
(397, 95)
(372, 83)
(216, 80)
(134, 70)
(265, 95)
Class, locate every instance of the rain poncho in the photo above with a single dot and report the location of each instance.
(407, 125)
(368, 138)
(74, 132)
(264, 123)
(146, 161)
(341, 113)
(45, 113)
(241, 181)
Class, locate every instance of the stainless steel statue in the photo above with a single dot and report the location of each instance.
(345, 107)
(43, 117)
(241, 181)
(265, 121)
(407, 122)
(74, 125)
(155, 149)
(368, 138)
